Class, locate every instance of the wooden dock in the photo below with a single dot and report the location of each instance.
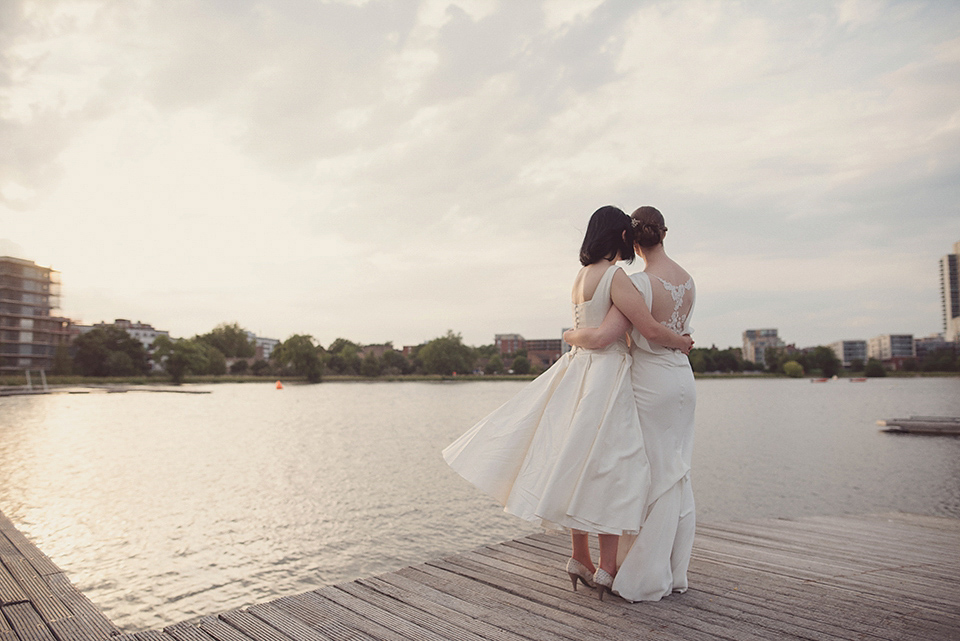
(37, 600)
(874, 577)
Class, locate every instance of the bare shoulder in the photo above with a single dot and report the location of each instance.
(587, 280)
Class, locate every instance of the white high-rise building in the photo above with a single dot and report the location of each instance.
(950, 293)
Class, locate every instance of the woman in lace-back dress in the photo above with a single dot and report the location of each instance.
(567, 451)
(654, 563)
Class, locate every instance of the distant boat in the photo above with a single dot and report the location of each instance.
(858, 380)
(819, 380)
(945, 425)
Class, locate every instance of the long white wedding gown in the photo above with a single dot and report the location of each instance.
(654, 563)
(567, 451)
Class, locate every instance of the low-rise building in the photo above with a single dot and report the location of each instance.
(542, 352)
(508, 343)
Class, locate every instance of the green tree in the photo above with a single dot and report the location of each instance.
(371, 366)
(940, 360)
(394, 363)
(856, 365)
(446, 355)
(120, 364)
(230, 339)
(703, 359)
(521, 365)
(216, 361)
(486, 351)
(874, 368)
(793, 369)
(824, 359)
(180, 357)
(94, 350)
(343, 357)
(698, 360)
(260, 367)
(62, 362)
(239, 367)
(301, 355)
(494, 365)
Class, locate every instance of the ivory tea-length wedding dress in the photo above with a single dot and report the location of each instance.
(654, 563)
(567, 451)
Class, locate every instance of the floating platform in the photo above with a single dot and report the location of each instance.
(942, 425)
(97, 389)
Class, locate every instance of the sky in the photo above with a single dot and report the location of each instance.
(386, 170)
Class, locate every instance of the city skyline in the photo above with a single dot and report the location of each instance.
(389, 171)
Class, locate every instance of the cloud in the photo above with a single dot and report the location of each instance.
(388, 170)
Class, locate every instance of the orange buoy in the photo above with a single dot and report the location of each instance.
(279, 385)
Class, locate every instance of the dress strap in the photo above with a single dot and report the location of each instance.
(606, 282)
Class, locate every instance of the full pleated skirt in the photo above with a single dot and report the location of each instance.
(654, 563)
(567, 451)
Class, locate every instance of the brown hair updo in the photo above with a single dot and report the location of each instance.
(648, 227)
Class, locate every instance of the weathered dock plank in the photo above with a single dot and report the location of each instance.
(37, 601)
(870, 577)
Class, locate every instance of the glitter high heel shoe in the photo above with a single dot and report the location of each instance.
(579, 572)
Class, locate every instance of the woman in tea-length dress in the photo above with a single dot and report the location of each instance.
(567, 451)
(654, 563)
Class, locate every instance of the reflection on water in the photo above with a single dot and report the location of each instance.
(162, 507)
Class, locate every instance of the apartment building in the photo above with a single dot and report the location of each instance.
(849, 351)
(891, 347)
(950, 294)
(29, 330)
(756, 342)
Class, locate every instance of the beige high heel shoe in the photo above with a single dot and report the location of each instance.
(604, 582)
(578, 571)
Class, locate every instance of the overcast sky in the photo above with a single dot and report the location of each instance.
(388, 170)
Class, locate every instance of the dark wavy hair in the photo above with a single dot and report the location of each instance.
(648, 227)
(605, 236)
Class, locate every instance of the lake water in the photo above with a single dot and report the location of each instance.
(164, 507)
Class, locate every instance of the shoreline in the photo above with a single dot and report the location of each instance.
(11, 383)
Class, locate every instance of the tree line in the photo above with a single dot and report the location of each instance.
(111, 351)
(816, 361)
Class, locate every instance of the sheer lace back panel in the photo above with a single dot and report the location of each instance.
(672, 303)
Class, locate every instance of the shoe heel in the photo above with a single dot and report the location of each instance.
(578, 572)
(604, 582)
